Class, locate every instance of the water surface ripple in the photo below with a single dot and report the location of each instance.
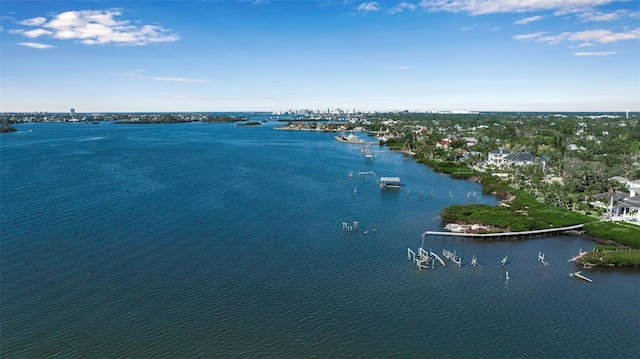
(210, 240)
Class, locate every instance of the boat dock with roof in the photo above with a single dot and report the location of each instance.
(390, 182)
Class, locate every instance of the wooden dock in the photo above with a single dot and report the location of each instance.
(505, 235)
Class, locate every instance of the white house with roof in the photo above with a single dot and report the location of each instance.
(497, 157)
(522, 159)
(622, 205)
(634, 186)
(502, 158)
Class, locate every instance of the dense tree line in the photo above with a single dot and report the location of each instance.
(581, 153)
(5, 126)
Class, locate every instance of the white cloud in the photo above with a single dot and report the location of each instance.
(369, 6)
(480, 27)
(586, 38)
(401, 7)
(395, 68)
(602, 53)
(608, 16)
(137, 74)
(477, 7)
(35, 45)
(527, 20)
(601, 36)
(92, 27)
(531, 36)
(35, 33)
(178, 79)
(256, 2)
(36, 21)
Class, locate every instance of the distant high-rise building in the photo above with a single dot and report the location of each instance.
(73, 112)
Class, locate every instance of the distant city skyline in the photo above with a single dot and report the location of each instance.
(256, 55)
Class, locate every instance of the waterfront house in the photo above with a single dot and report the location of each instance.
(497, 157)
(630, 205)
(633, 186)
(522, 159)
(621, 205)
(503, 158)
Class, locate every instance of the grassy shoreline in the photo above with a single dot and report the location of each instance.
(521, 212)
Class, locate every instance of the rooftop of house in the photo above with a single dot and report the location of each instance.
(521, 157)
(617, 195)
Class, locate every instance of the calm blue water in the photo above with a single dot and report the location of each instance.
(210, 240)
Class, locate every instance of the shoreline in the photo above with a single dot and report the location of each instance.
(358, 142)
(581, 233)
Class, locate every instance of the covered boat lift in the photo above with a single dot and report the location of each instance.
(390, 182)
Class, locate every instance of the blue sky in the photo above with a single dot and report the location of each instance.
(241, 55)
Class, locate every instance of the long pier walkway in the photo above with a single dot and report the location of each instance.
(505, 235)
